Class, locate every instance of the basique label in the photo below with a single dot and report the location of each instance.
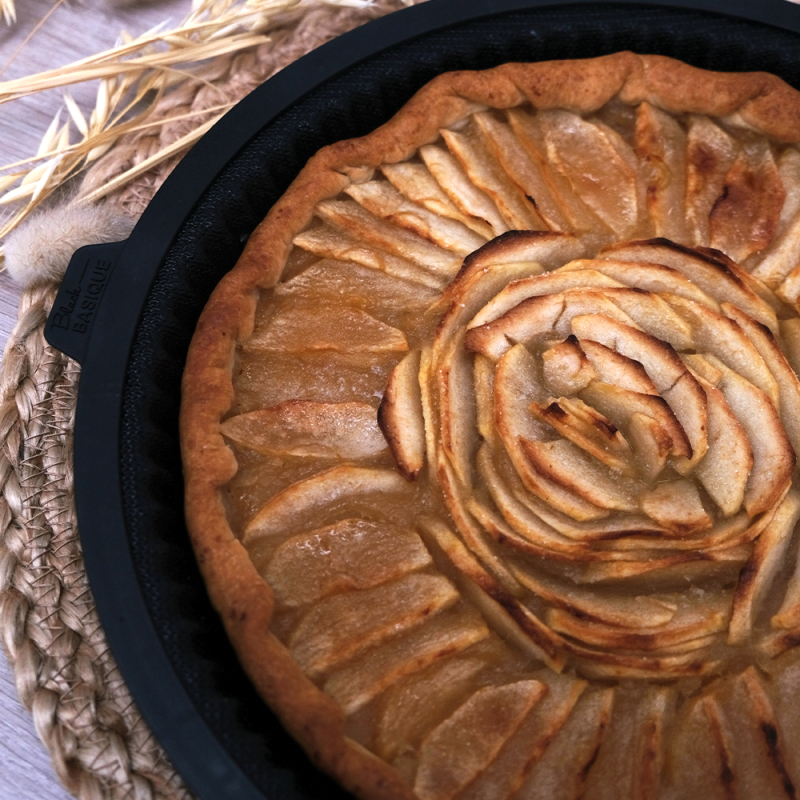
(78, 300)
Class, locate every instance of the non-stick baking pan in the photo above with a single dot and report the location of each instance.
(127, 311)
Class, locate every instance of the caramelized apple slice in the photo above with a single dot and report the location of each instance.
(451, 756)
(566, 368)
(348, 555)
(561, 772)
(383, 200)
(655, 278)
(413, 706)
(699, 761)
(589, 430)
(617, 610)
(661, 143)
(717, 276)
(416, 182)
(632, 753)
(526, 173)
(400, 416)
(340, 328)
(339, 627)
(302, 500)
(508, 770)
(539, 318)
(773, 457)
(726, 467)
(603, 180)
(710, 153)
(308, 429)
(529, 131)
(499, 607)
(757, 751)
(758, 575)
(780, 258)
(362, 225)
(744, 219)
(515, 388)
(782, 687)
(328, 241)
(549, 283)
(613, 368)
(695, 620)
(670, 376)
(722, 336)
(329, 280)
(484, 173)
(444, 635)
(785, 377)
(467, 197)
(651, 443)
(569, 466)
(621, 407)
(677, 506)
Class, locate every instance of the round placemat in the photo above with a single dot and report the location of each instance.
(100, 745)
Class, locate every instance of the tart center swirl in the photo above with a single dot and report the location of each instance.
(613, 440)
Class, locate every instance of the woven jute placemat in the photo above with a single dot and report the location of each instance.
(100, 745)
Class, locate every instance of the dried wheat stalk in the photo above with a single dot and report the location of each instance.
(132, 79)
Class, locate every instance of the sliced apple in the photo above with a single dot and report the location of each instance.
(758, 575)
(566, 369)
(621, 406)
(744, 219)
(725, 470)
(442, 636)
(509, 769)
(339, 627)
(495, 711)
(415, 181)
(286, 511)
(526, 173)
(589, 430)
(340, 328)
(328, 241)
(722, 336)
(710, 153)
(549, 283)
(561, 772)
(583, 154)
(486, 174)
(614, 368)
(400, 416)
(362, 225)
(677, 506)
(716, 275)
(383, 200)
(660, 142)
(655, 278)
(305, 428)
(468, 198)
(348, 555)
(414, 706)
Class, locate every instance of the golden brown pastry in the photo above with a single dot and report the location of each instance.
(490, 438)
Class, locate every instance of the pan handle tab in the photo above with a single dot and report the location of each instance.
(69, 325)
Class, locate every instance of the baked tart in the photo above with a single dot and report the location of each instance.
(490, 440)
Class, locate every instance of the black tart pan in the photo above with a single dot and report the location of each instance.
(127, 311)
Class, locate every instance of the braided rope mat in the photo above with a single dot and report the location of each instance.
(100, 745)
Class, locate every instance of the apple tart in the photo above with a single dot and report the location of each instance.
(490, 436)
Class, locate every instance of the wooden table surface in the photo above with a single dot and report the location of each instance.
(73, 31)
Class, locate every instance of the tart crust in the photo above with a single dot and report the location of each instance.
(246, 603)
